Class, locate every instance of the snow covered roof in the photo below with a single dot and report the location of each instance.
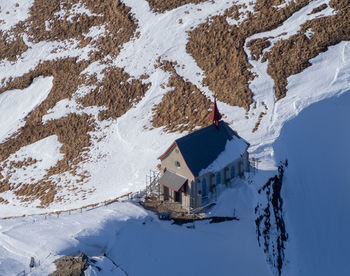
(201, 148)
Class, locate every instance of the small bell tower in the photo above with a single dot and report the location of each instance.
(215, 115)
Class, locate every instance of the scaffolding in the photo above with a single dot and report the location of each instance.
(152, 184)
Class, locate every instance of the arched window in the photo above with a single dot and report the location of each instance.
(204, 187)
(218, 178)
(233, 172)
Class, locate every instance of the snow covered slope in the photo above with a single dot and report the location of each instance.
(92, 91)
(118, 144)
(316, 188)
(135, 240)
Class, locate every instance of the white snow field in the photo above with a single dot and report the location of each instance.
(317, 188)
(12, 12)
(137, 241)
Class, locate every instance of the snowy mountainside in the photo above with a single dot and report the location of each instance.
(92, 92)
(118, 85)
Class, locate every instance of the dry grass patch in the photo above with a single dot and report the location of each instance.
(257, 46)
(72, 132)
(116, 93)
(24, 163)
(56, 20)
(66, 81)
(11, 48)
(319, 8)
(167, 5)
(264, 105)
(4, 183)
(3, 201)
(218, 48)
(182, 109)
(119, 24)
(299, 49)
(47, 24)
(257, 124)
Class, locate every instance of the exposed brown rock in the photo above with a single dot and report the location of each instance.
(119, 22)
(71, 266)
(182, 109)
(66, 80)
(5, 186)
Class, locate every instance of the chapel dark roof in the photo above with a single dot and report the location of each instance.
(202, 147)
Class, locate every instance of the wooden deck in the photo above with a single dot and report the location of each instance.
(177, 212)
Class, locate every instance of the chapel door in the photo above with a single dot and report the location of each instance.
(166, 193)
(178, 197)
